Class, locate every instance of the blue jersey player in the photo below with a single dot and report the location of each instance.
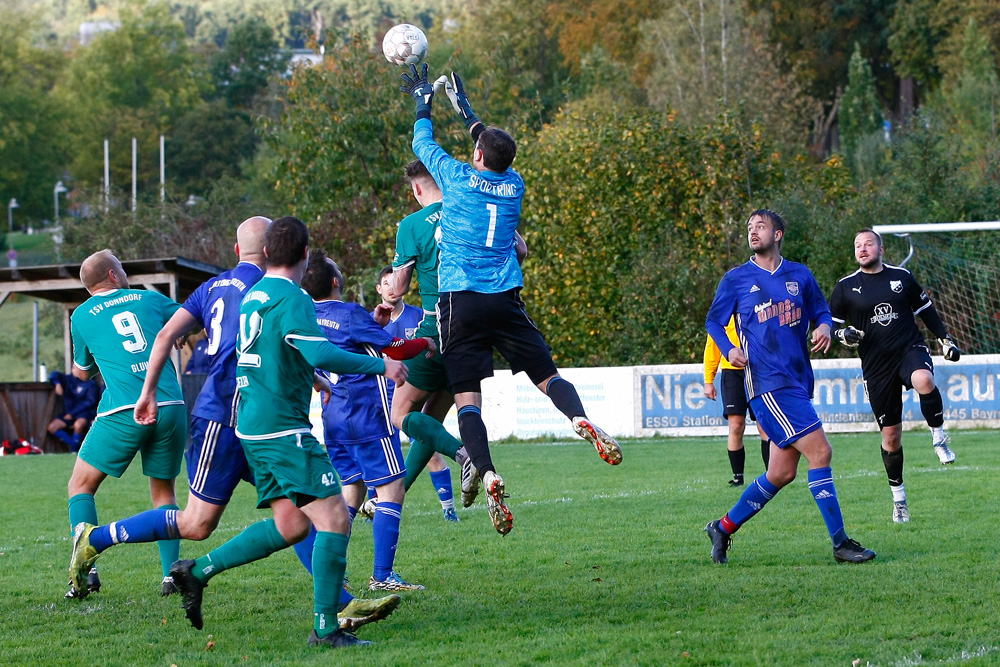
(480, 307)
(361, 440)
(773, 301)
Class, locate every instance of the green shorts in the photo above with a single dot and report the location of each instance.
(427, 374)
(294, 466)
(114, 440)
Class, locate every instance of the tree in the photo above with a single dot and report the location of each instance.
(860, 116)
(251, 56)
(209, 142)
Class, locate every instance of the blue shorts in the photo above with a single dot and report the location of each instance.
(343, 462)
(215, 461)
(379, 461)
(786, 414)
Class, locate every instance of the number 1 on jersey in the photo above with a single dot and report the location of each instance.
(492, 208)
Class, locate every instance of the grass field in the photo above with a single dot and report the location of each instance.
(604, 566)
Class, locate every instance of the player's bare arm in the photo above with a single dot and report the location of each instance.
(402, 277)
(179, 325)
(821, 338)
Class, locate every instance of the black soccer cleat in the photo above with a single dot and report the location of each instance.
(737, 480)
(168, 587)
(190, 589)
(337, 639)
(93, 586)
(720, 541)
(851, 552)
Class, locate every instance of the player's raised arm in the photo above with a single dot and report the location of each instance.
(180, 324)
(455, 91)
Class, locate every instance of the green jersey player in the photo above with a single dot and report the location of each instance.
(113, 332)
(280, 344)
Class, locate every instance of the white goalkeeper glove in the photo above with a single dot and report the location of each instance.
(949, 349)
(849, 336)
(449, 89)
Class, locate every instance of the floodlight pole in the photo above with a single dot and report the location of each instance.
(107, 178)
(163, 172)
(133, 173)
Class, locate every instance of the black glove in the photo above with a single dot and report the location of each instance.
(949, 349)
(849, 336)
(416, 85)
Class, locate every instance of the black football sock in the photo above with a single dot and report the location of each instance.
(563, 395)
(932, 408)
(475, 439)
(765, 452)
(893, 462)
(737, 461)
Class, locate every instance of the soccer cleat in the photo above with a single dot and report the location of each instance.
(900, 513)
(168, 587)
(393, 582)
(606, 446)
(737, 480)
(191, 590)
(502, 519)
(944, 453)
(337, 639)
(450, 514)
(852, 552)
(82, 560)
(367, 509)
(360, 612)
(721, 541)
(470, 478)
(93, 586)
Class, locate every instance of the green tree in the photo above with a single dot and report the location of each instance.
(251, 56)
(860, 116)
(209, 142)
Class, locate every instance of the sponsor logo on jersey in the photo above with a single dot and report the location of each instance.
(786, 312)
(754, 289)
(896, 286)
(884, 315)
(792, 287)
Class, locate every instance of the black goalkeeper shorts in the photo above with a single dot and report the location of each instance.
(473, 324)
(734, 394)
(884, 385)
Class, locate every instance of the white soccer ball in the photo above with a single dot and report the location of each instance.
(404, 45)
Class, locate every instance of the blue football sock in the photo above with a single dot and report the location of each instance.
(823, 492)
(304, 550)
(442, 484)
(149, 526)
(753, 499)
(385, 531)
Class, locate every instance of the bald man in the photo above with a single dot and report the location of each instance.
(111, 334)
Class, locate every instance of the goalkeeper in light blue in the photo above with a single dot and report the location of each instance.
(774, 301)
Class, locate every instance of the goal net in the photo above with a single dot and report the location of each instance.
(958, 265)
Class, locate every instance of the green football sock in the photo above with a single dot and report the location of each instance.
(170, 550)
(427, 435)
(257, 541)
(329, 564)
(82, 508)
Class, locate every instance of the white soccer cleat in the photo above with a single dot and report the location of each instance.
(606, 446)
(470, 478)
(944, 453)
(367, 509)
(502, 519)
(900, 512)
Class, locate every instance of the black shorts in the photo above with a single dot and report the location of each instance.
(734, 394)
(884, 385)
(472, 324)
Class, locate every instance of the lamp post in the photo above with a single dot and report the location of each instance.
(56, 191)
(10, 214)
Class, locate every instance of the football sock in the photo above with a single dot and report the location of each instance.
(563, 395)
(65, 438)
(765, 452)
(258, 540)
(475, 439)
(170, 549)
(442, 484)
(898, 493)
(385, 536)
(823, 492)
(82, 508)
(148, 526)
(893, 462)
(427, 429)
(751, 501)
(737, 461)
(77, 441)
(330, 562)
(304, 550)
(932, 407)
(417, 456)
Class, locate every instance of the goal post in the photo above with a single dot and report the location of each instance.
(958, 264)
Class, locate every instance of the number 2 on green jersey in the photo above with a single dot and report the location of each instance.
(250, 328)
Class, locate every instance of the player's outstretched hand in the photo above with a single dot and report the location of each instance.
(821, 338)
(395, 371)
(382, 314)
(849, 336)
(145, 410)
(949, 349)
(415, 85)
(737, 358)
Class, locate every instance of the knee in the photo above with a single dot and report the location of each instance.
(392, 492)
(736, 426)
(396, 417)
(892, 438)
(780, 476)
(923, 381)
(294, 529)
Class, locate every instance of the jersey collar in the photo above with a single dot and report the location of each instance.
(781, 261)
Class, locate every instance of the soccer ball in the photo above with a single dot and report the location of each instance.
(405, 44)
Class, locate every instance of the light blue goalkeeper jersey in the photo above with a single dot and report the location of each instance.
(480, 213)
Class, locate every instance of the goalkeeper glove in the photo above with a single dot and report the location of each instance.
(415, 84)
(459, 100)
(849, 336)
(949, 349)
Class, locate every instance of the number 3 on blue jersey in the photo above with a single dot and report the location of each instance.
(249, 332)
(215, 327)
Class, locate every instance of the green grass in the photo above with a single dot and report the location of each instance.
(15, 338)
(604, 566)
(32, 249)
